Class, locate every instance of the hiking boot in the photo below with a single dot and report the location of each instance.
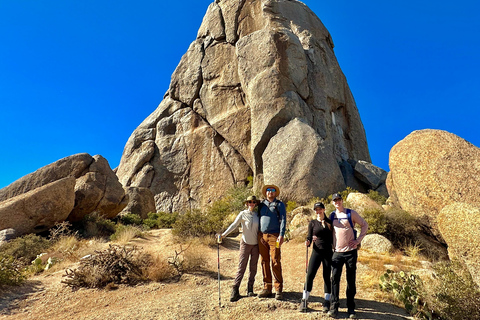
(333, 313)
(235, 294)
(250, 291)
(279, 295)
(326, 306)
(303, 306)
(265, 293)
(352, 315)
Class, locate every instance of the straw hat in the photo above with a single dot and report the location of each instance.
(264, 190)
(251, 198)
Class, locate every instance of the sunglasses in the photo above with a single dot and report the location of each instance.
(251, 201)
(271, 189)
(338, 199)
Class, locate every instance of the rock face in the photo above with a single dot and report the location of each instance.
(431, 169)
(258, 93)
(140, 201)
(377, 243)
(39, 209)
(458, 224)
(79, 184)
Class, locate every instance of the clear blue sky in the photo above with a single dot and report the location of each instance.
(80, 76)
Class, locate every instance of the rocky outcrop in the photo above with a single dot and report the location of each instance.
(39, 209)
(372, 176)
(458, 223)
(140, 202)
(377, 243)
(95, 189)
(431, 169)
(361, 202)
(258, 93)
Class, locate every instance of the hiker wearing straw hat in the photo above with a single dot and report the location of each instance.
(249, 220)
(273, 221)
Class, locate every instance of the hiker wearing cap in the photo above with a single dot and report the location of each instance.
(249, 220)
(273, 221)
(345, 243)
(320, 233)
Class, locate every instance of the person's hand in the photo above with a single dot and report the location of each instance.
(307, 243)
(314, 238)
(353, 243)
(280, 240)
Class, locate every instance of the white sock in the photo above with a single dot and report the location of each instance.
(327, 296)
(306, 294)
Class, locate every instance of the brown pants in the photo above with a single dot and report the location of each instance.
(247, 251)
(267, 249)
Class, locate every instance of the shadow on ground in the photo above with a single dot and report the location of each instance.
(11, 296)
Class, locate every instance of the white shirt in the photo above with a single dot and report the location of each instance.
(249, 220)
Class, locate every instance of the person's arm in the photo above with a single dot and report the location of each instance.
(283, 220)
(233, 226)
(309, 234)
(357, 219)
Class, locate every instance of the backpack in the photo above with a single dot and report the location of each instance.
(349, 217)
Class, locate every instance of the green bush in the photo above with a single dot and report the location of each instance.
(401, 227)
(164, 219)
(408, 289)
(131, 219)
(10, 271)
(26, 248)
(291, 205)
(377, 197)
(456, 295)
(94, 225)
(377, 222)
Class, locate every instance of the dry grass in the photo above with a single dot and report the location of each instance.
(159, 269)
(126, 234)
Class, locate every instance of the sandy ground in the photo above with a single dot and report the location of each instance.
(194, 296)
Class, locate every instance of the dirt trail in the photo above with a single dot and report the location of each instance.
(195, 296)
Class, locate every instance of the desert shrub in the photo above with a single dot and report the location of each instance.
(377, 222)
(26, 248)
(61, 230)
(377, 197)
(124, 234)
(196, 223)
(455, 295)
(117, 265)
(158, 269)
(156, 220)
(131, 219)
(408, 289)
(94, 225)
(291, 205)
(235, 197)
(401, 227)
(186, 260)
(10, 271)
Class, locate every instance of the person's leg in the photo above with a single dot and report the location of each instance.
(275, 254)
(337, 265)
(327, 271)
(351, 270)
(253, 267)
(264, 251)
(313, 265)
(242, 263)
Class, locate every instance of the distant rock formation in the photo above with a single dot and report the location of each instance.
(67, 189)
(258, 93)
(431, 169)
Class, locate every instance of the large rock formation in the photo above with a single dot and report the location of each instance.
(458, 224)
(431, 169)
(258, 93)
(67, 189)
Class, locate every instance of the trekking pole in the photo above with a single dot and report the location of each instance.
(219, 240)
(306, 270)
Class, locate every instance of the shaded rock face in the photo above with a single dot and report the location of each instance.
(140, 202)
(458, 224)
(257, 72)
(39, 209)
(431, 169)
(67, 189)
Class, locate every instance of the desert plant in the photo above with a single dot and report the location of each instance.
(10, 271)
(61, 230)
(131, 218)
(158, 268)
(95, 225)
(160, 220)
(26, 248)
(408, 289)
(185, 260)
(123, 234)
(291, 205)
(117, 264)
(401, 227)
(377, 222)
(377, 197)
(454, 294)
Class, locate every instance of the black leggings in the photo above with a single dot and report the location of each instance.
(320, 256)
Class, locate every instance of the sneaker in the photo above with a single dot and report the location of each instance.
(265, 293)
(352, 315)
(235, 295)
(279, 295)
(333, 313)
(326, 306)
(303, 306)
(250, 292)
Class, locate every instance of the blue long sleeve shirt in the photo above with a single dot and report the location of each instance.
(273, 217)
